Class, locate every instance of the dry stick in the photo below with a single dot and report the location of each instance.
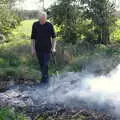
(53, 64)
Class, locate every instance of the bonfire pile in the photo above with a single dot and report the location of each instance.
(60, 113)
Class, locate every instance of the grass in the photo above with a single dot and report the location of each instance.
(100, 60)
(115, 35)
(15, 55)
(9, 114)
(25, 27)
(16, 58)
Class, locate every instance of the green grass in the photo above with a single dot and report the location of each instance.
(9, 114)
(101, 60)
(16, 58)
(24, 28)
(115, 35)
(15, 55)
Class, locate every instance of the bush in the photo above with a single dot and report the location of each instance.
(9, 114)
(8, 20)
(16, 60)
(100, 60)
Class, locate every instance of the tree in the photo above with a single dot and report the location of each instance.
(65, 14)
(69, 13)
(8, 3)
(8, 17)
(101, 14)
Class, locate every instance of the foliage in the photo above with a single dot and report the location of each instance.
(115, 35)
(65, 15)
(101, 14)
(16, 60)
(15, 56)
(9, 114)
(70, 15)
(8, 17)
(100, 60)
(8, 20)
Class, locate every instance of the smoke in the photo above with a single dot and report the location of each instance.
(99, 92)
(76, 90)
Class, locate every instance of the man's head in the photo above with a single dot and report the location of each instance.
(43, 17)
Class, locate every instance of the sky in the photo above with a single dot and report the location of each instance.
(35, 4)
(118, 4)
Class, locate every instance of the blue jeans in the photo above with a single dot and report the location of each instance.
(43, 59)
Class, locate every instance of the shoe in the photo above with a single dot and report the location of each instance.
(45, 80)
(44, 83)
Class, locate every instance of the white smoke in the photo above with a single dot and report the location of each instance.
(90, 88)
(70, 89)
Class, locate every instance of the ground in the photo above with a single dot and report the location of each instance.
(17, 65)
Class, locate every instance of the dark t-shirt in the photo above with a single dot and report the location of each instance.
(42, 35)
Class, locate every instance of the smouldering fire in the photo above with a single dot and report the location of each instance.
(70, 89)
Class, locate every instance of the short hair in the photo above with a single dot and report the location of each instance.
(42, 13)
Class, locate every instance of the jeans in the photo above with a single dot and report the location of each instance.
(43, 59)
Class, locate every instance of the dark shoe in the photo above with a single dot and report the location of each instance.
(44, 83)
(45, 80)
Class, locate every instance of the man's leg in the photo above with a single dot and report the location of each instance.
(40, 57)
(45, 76)
(43, 59)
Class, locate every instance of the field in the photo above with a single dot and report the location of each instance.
(16, 59)
(25, 27)
(17, 63)
(15, 55)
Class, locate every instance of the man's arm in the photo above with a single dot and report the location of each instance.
(53, 45)
(53, 39)
(33, 46)
(33, 37)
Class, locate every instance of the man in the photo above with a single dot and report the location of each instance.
(42, 34)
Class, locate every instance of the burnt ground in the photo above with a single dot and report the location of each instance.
(59, 112)
(64, 101)
(78, 110)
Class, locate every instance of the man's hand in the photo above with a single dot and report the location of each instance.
(53, 45)
(53, 50)
(33, 52)
(33, 47)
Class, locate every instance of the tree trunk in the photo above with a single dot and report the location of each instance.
(105, 34)
(99, 34)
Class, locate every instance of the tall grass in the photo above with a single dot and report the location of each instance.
(9, 114)
(16, 58)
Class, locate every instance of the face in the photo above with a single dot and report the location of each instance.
(43, 19)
